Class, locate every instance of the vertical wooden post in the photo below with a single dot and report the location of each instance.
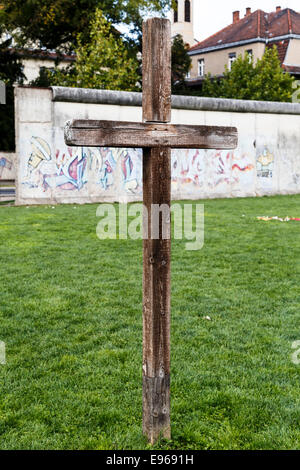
(157, 70)
(157, 194)
(157, 253)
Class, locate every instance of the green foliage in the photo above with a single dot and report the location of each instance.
(271, 82)
(53, 23)
(265, 80)
(103, 62)
(71, 319)
(181, 63)
(296, 94)
(11, 73)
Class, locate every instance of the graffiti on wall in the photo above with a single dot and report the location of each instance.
(65, 170)
(72, 168)
(5, 167)
(97, 171)
(216, 167)
(265, 163)
(188, 167)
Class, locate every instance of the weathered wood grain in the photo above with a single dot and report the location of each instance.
(156, 298)
(144, 135)
(157, 252)
(156, 137)
(157, 70)
(156, 407)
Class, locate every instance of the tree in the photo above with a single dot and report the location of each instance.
(56, 23)
(103, 62)
(265, 80)
(181, 64)
(271, 83)
(11, 73)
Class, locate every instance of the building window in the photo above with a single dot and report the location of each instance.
(201, 66)
(232, 58)
(250, 54)
(188, 75)
(176, 12)
(187, 11)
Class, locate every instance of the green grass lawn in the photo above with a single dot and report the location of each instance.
(70, 315)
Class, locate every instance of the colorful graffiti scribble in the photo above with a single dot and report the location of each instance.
(66, 171)
(265, 164)
(223, 169)
(190, 166)
(131, 166)
(119, 171)
(246, 168)
(71, 168)
(106, 176)
(5, 165)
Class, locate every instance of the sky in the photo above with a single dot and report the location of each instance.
(212, 15)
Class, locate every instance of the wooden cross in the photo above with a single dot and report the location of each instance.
(156, 137)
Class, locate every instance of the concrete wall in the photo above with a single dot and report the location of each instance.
(266, 162)
(7, 166)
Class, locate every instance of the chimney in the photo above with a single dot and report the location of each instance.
(248, 11)
(236, 16)
(278, 9)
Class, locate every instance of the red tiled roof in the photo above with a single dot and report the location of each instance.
(41, 54)
(282, 47)
(293, 69)
(256, 24)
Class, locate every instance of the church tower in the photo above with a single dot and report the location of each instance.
(182, 21)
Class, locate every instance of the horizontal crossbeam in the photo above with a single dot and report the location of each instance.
(118, 134)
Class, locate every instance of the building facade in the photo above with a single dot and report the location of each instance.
(34, 60)
(253, 33)
(182, 21)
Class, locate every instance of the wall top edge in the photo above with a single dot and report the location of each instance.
(92, 96)
(124, 98)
